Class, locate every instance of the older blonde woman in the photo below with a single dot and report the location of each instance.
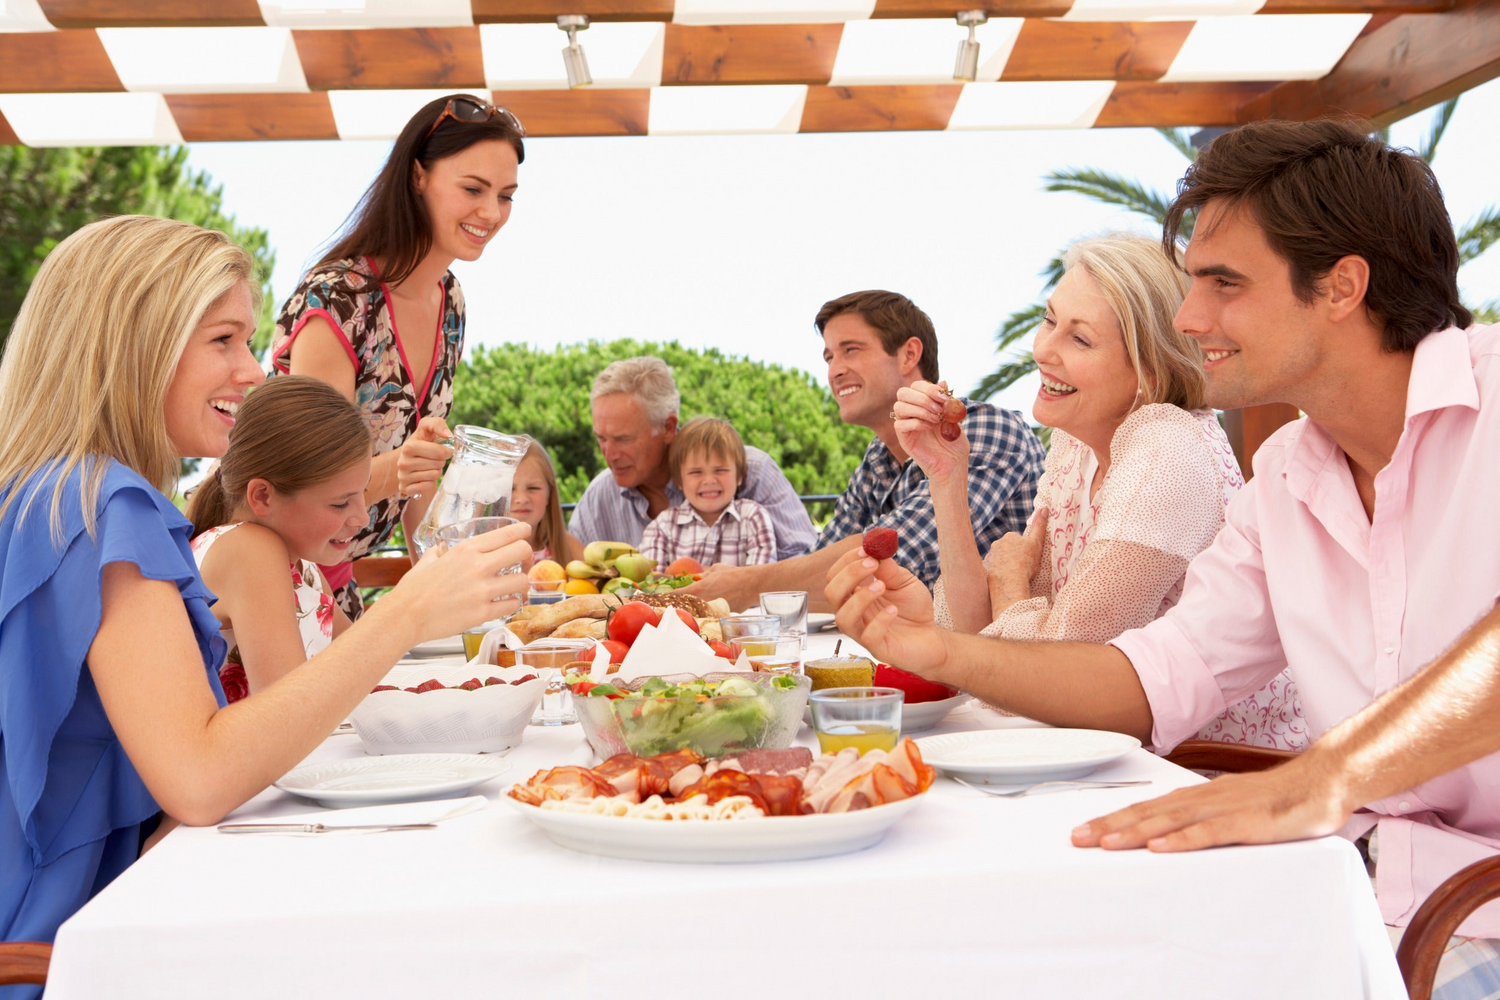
(1135, 485)
(112, 718)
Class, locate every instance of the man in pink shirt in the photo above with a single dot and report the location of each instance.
(1324, 274)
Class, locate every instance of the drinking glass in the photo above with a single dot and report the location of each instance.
(451, 534)
(740, 626)
(790, 606)
(474, 637)
(770, 654)
(866, 718)
(547, 658)
(538, 595)
(476, 484)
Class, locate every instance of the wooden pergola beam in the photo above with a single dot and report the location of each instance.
(1407, 64)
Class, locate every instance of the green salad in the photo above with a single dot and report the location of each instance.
(712, 717)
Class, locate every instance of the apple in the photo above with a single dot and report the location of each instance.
(635, 566)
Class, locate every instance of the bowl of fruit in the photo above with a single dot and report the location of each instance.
(449, 709)
(715, 714)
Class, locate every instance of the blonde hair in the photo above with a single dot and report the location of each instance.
(710, 437)
(551, 533)
(646, 379)
(1144, 289)
(295, 431)
(103, 327)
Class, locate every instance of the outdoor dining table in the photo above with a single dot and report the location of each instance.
(968, 895)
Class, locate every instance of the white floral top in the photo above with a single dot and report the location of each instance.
(314, 610)
(1118, 561)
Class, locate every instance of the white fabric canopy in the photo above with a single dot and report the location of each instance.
(967, 896)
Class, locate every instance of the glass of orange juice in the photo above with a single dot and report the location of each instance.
(866, 718)
(770, 654)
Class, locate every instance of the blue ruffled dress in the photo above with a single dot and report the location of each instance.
(73, 810)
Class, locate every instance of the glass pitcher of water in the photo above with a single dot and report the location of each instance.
(477, 482)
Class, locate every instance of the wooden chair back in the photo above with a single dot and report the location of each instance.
(380, 571)
(24, 963)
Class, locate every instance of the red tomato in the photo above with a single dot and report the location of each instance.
(688, 620)
(617, 650)
(721, 649)
(628, 620)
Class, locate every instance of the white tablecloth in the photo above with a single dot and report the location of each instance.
(967, 896)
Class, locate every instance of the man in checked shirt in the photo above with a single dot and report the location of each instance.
(874, 343)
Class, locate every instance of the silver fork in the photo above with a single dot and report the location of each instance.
(1080, 785)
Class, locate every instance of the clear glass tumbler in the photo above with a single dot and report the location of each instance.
(740, 626)
(451, 534)
(770, 654)
(548, 657)
(866, 718)
(790, 606)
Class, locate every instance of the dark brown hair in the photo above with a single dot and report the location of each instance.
(390, 222)
(895, 317)
(294, 431)
(1324, 190)
(710, 437)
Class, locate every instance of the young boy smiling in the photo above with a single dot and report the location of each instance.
(707, 459)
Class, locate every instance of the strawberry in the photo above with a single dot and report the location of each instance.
(384, 687)
(523, 679)
(880, 543)
(492, 681)
(472, 684)
(917, 689)
(425, 686)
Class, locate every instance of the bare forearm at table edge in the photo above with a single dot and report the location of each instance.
(1440, 719)
(1075, 685)
(959, 558)
(297, 713)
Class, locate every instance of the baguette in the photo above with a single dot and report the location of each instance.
(580, 628)
(582, 606)
(710, 630)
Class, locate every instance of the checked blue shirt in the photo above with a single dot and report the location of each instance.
(1005, 461)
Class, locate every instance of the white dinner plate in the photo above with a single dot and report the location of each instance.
(438, 647)
(772, 838)
(817, 621)
(412, 777)
(916, 718)
(1018, 756)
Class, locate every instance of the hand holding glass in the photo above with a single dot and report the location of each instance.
(451, 534)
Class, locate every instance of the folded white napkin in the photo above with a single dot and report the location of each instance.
(495, 640)
(390, 815)
(672, 648)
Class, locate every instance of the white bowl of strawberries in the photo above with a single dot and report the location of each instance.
(451, 708)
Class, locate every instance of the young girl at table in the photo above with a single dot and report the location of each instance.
(533, 499)
(288, 494)
(111, 714)
(381, 318)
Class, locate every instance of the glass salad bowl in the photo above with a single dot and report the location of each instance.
(713, 715)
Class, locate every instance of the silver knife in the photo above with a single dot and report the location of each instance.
(318, 827)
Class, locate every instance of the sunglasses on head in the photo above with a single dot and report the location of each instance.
(473, 111)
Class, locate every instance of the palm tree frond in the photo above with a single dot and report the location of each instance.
(1181, 140)
(1018, 324)
(1008, 374)
(1112, 189)
(1053, 272)
(1481, 232)
(1429, 146)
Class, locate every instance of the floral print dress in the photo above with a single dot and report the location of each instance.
(356, 304)
(313, 607)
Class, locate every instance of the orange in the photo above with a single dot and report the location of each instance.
(580, 587)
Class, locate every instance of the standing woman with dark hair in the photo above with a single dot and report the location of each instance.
(381, 318)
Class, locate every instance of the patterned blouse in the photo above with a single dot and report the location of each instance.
(391, 402)
(1118, 561)
(314, 610)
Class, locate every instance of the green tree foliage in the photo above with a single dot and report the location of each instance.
(1474, 238)
(521, 389)
(47, 194)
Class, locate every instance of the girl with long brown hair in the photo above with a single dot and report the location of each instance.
(534, 499)
(288, 494)
(381, 318)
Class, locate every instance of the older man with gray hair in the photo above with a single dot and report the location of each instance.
(635, 404)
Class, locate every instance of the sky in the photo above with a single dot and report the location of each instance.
(735, 241)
